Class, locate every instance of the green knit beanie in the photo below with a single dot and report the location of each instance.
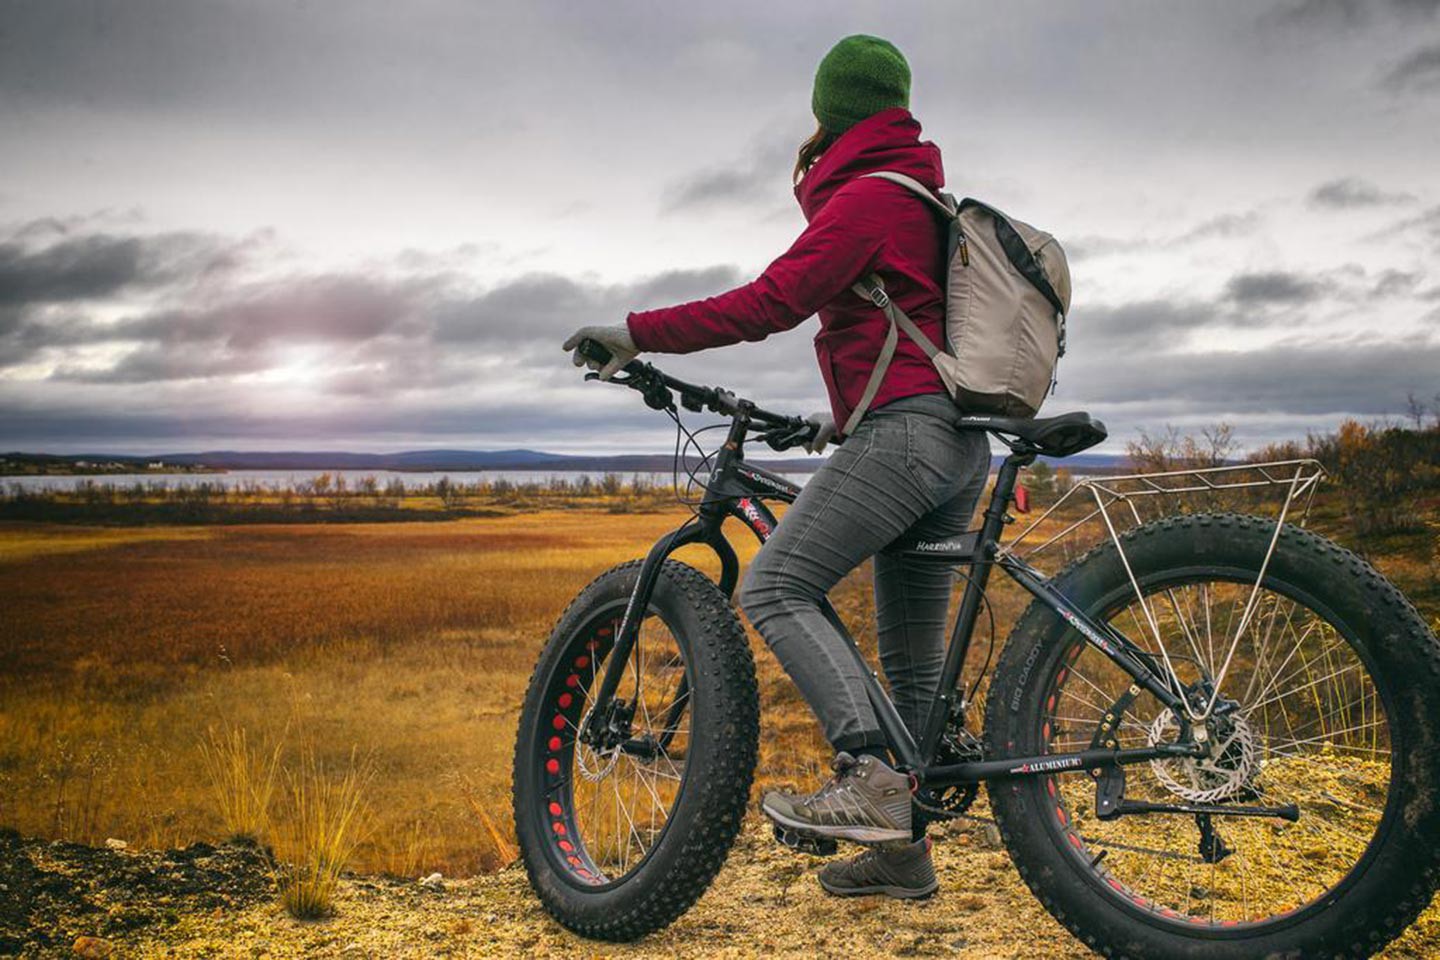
(860, 76)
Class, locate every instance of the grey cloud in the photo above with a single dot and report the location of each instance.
(1141, 325)
(418, 332)
(756, 179)
(1427, 222)
(1225, 225)
(324, 309)
(1089, 247)
(1420, 71)
(518, 422)
(152, 364)
(1276, 287)
(1349, 192)
(90, 266)
(1353, 377)
(1247, 299)
(1351, 13)
(74, 269)
(545, 306)
(678, 286)
(1395, 283)
(1320, 382)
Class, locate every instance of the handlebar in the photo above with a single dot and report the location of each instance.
(659, 388)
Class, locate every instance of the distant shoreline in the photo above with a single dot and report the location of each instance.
(417, 461)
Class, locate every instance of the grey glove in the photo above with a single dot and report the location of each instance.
(824, 431)
(614, 338)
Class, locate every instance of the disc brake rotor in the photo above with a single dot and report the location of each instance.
(594, 764)
(1226, 772)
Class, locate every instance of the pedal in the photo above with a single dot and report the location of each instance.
(804, 843)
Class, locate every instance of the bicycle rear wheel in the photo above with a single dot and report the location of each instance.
(621, 838)
(1327, 700)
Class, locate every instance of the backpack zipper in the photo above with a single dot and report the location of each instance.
(1060, 352)
(963, 248)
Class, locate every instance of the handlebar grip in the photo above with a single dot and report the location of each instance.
(594, 350)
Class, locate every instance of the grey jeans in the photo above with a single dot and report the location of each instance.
(905, 470)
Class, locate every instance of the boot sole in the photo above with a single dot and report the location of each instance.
(899, 893)
(855, 834)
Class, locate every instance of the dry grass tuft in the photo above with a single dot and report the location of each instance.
(243, 779)
(325, 820)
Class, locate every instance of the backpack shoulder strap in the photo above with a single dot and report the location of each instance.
(917, 188)
(872, 289)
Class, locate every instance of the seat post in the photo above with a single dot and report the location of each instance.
(1021, 455)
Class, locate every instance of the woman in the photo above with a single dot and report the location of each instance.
(903, 471)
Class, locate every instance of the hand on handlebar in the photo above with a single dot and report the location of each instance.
(813, 433)
(606, 349)
(824, 431)
(610, 350)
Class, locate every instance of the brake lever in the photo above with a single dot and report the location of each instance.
(783, 438)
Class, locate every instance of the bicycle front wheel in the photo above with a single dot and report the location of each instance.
(620, 838)
(1324, 683)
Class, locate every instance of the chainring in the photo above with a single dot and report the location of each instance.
(958, 745)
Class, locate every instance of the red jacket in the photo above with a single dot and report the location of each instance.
(856, 227)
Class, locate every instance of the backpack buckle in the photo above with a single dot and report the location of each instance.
(879, 297)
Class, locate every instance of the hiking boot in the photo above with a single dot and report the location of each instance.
(865, 802)
(901, 871)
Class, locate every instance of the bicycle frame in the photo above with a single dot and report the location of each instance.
(739, 489)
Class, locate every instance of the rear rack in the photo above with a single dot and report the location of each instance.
(1141, 497)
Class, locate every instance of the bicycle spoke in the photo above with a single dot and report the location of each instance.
(1306, 728)
(622, 801)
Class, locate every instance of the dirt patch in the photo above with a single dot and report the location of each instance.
(51, 893)
(209, 901)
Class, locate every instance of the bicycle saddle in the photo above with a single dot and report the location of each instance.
(1061, 436)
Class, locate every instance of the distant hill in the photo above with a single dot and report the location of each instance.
(450, 460)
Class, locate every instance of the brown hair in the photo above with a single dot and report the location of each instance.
(814, 145)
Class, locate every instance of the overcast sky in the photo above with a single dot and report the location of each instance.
(368, 225)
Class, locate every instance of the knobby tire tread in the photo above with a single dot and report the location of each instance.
(720, 650)
(1370, 929)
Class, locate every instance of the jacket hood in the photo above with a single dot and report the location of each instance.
(888, 140)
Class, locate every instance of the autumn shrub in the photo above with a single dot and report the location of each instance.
(1386, 474)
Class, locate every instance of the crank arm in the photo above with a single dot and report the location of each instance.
(1289, 812)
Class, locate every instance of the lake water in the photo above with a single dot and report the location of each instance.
(283, 479)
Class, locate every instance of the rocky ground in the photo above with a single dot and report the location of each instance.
(63, 899)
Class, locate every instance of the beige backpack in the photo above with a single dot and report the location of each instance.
(1007, 293)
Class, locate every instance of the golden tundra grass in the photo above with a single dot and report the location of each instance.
(121, 649)
(409, 643)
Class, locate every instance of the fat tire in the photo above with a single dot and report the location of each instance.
(720, 765)
(1400, 878)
